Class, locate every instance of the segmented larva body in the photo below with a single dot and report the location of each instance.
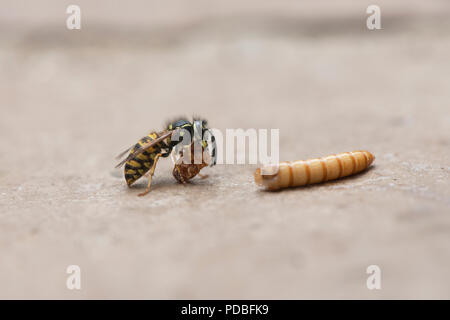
(304, 172)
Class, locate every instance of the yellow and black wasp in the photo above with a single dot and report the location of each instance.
(144, 155)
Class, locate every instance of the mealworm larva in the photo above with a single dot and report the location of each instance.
(299, 173)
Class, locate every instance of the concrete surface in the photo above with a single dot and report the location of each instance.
(71, 100)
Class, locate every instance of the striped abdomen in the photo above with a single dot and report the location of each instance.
(139, 165)
(299, 173)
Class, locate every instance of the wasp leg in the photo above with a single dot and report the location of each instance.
(152, 171)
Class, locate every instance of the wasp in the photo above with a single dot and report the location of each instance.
(299, 173)
(144, 155)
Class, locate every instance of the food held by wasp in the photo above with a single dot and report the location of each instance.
(299, 173)
(183, 170)
(144, 155)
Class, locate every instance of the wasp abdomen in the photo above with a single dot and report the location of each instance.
(304, 172)
(139, 165)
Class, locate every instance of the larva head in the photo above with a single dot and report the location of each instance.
(266, 176)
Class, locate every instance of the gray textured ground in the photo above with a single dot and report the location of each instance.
(70, 101)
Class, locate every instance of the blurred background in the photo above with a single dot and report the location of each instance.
(70, 100)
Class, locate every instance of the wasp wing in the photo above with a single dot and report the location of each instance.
(120, 155)
(163, 135)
